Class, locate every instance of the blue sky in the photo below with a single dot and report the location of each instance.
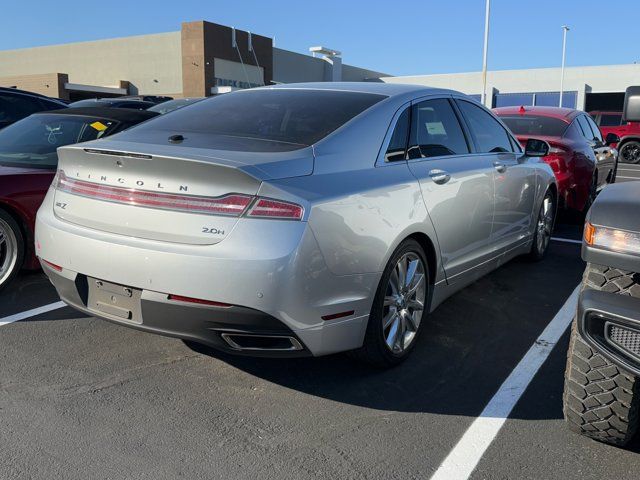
(400, 37)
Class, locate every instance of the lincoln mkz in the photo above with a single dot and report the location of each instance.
(295, 220)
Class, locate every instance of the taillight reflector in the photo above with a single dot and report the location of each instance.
(57, 268)
(180, 298)
(232, 204)
(333, 316)
(268, 208)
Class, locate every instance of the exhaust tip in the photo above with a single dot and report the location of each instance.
(250, 342)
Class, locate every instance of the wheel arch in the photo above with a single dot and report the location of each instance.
(22, 223)
(430, 251)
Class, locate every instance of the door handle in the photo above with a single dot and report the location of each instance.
(500, 167)
(439, 176)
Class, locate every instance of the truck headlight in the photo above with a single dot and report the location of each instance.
(612, 239)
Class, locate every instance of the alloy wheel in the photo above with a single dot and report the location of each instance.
(8, 251)
(545, 224)
(404, 302)
(631, 152)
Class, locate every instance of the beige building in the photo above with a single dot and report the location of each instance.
(201, 59)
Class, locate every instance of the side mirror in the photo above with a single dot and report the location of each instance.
(536, 148)
(611, 138)
(631, 110)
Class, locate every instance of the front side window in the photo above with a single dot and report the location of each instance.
(435, 130)
(398, 144)
(586, 128)
(489, 135)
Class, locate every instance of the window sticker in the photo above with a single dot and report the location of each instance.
(99, 126)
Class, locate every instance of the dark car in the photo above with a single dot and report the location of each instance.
(17, 104)
(602, 380)
(171, 105)
(113, 103)
(582, 160)
(28, 162)
(148, 98)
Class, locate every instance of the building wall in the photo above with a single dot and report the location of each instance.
(50, 84)
(292, 67)
(151, 63)
(598, 79)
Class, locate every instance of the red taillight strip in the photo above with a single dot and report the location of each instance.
(333, 316)
(232, 204)
(199, 301)
(57, 268)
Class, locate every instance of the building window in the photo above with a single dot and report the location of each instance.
(476, 97)
(539, 99)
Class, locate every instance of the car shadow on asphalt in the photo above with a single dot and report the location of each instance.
(471, 344)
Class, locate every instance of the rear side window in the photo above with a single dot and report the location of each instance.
(489, 135)
(398, 143)
(15, 107)
(288, 119)
(435, 130)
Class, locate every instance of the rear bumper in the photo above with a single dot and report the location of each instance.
(272, 272)
(610, 323)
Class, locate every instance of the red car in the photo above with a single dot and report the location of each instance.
(581, 159)
(28, 162)
(629, 133)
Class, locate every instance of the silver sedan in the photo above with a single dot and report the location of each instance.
(294, 220)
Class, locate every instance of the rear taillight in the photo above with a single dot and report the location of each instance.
(268, 208)
(233, 204)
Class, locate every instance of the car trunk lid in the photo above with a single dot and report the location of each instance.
(173, 194)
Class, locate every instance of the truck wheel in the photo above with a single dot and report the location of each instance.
(630, 152)
(11, 248)
(399, 308)
(600, 400)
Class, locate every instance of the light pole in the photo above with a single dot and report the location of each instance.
(565, 29)
(484, 54)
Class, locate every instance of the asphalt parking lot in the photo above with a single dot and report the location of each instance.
(82, 398)
(628, 172)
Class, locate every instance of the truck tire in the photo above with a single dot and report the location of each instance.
(630, 152)
(601, 401)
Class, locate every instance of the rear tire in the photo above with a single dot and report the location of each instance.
(383, 346)
(11, 249)
(543, 228)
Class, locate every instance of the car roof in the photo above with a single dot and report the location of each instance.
(380, 88)
(566, 114)
(115, 114)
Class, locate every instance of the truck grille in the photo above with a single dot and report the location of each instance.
(626, 339)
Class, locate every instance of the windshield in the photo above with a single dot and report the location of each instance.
(525, 125)
(264, 119)
(32, 142)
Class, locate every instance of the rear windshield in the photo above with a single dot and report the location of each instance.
(263, 120)
(32, 141)
(535, 125)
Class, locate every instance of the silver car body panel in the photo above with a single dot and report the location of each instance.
(357, 209)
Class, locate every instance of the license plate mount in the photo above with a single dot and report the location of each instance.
(115, 301)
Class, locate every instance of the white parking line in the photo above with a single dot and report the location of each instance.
(566, 240)
(629, 178)
(31, 313)
(464, 457)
